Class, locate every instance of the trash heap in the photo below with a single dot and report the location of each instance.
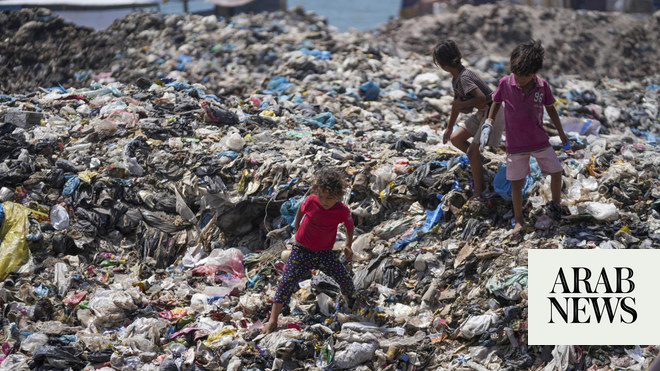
(147, 207)
(587, 43)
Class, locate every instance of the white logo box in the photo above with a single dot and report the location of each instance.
(643, 300)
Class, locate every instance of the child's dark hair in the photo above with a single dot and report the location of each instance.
(527, 58)
(331, 180)
(447, 53)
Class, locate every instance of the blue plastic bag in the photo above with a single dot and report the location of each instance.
(503, 186)
(278, 84)
(432, 218)
(71, 184)
(322, 120)
(318, 54)
(369, 90)
(289, 209)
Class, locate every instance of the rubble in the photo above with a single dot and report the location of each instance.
(160, 184)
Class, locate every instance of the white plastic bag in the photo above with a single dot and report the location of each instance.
(477, 325)
(59, 218)
(602, 211)
(355, 354)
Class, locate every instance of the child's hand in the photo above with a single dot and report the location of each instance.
(349, 253)
(564, 138)
(447, 136)
(485, 133)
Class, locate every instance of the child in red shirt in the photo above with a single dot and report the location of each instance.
(316, 233)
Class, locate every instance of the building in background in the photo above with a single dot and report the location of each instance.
(413, 8)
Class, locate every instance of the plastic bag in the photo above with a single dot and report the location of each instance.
(355, 354)
(322, 120)
(369, 91)
(581, 126)
(289, 209)
(62, 279)
(602, 211)
(502, 185)
(400, 312)
(477, 325)
(5, 195)
(193, 255)
(230, 261)
(234, 141)
(144, 334)
(64, 357)
(183, 209)
(71, 184)
(198, 303)
(33, 342)
(109, 306)
(13, 245)
(59, 218)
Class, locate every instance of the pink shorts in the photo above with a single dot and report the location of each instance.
(517, 164)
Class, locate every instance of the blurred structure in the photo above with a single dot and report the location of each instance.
(228, 8)
(413, 8)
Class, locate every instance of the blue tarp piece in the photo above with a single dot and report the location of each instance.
(503, 186)
(278, 85)
(369, 91)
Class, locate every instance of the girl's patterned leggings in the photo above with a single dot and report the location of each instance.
(301, 262)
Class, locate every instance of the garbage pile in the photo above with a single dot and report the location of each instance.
(146, 215)
(591, 44)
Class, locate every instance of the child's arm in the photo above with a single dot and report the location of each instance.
(478, 100)
(349, 242)
(299, 216)
(494, 108)
(450, 125)
(488, 125)
(552, 112)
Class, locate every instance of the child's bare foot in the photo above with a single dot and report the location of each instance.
(269, 327)
(517, 229)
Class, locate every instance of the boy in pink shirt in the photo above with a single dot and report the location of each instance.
(524, 95)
